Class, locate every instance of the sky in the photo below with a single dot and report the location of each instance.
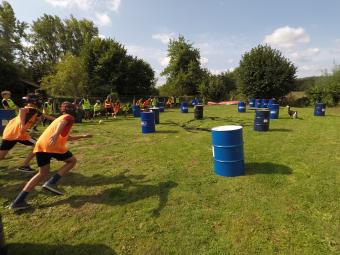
(305, 31)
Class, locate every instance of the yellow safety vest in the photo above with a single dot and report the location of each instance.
(97, 107)
(48, 109)
(86, 104)
(10, 103)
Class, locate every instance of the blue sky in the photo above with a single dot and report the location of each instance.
(306, 32)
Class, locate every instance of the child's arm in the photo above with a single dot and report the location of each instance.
(22, 116)
(54, 137)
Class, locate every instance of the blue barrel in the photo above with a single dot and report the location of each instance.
(156, 111)
(271, 101)
(319, 109)
(257, 103)
(274, 111)
(264, 103)
(136, 111)
(261, 121)
(148, 122)
(251, 103)
(241, 106)
(5, 117)
(228, 150)
(184, 107)
(161, 106)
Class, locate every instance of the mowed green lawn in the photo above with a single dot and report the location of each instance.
(157, 193)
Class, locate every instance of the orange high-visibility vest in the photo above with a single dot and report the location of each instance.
(108, 104)
(43, 143)
(12, 130)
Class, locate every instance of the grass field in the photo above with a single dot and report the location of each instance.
(158, 194)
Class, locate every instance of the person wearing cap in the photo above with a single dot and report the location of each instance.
(52, 144)
(7, 102)
(16, 131)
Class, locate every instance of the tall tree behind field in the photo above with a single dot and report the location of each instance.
(265, 73)
(184, 72)
(52, 38)
(69, 79)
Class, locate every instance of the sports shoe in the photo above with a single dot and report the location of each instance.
(26, 169)
(52, 188)
(20, 206)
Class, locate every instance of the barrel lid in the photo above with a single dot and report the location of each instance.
(154, 108)
(226, 128)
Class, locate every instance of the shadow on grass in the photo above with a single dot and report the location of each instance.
(266, 168)
(166, 131)
(122, 196)
(44, 249)
(280, 130)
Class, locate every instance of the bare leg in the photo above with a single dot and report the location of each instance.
(28, 159)
(69, 164)
(34, 181)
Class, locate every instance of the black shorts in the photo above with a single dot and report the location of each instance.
(108, 110)
(44, 158)
(7, 145)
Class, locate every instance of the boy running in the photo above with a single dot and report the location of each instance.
(16, 130)
(51, 144)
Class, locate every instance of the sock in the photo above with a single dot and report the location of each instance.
(54, 179)
(21, 197)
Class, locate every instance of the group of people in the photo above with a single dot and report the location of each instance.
(52, 143)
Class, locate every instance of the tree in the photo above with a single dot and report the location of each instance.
(184, 72)
(265, 73)
(69, 79)
(217, 87)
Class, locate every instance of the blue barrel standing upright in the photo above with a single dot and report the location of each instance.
(271, 101)
(148, 122)
(257, 103)
(136, 111)
(228, 150)
(261, 121)
(320, 109)
(184, 107)
(274, 110)
(251, 103)
(161, 106)
(264, 103)
(5, 117)
(241, 106)
(156, 111)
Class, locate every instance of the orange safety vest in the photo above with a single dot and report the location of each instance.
(43, 143)
(12, 130)
(108, 104)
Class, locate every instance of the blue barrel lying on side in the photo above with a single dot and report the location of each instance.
(148, 122)
(156, 111)
(261, 121)
(257, 103)
(274, 111)
(241, 106)
(264, 103)
(5, 117)
(251, 103)
(228, 150)
(320, 109)
(184, 107)
(136, 111)
(161, 106)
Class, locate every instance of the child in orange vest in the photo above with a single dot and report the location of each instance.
(16, 130)
(116, 109)
(51, 144)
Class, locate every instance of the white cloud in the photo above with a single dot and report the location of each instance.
(204, 61)
(164, 61)
(101, 36)
(114, 5)
(164, 37)
(82, 4)
(305, 55)
(102, 19)
(287, 37)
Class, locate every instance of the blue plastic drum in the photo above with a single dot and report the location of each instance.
(241, 106)
(5, 117)
(136, 111)
(319, 109)
(148, 122)
(156, 111)
(161, 106)
(264, 103)
(271, 101)
(257, 103)
(251, 103)
(228, 150)
(274, 111)
(184, 107)
(261, 121)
